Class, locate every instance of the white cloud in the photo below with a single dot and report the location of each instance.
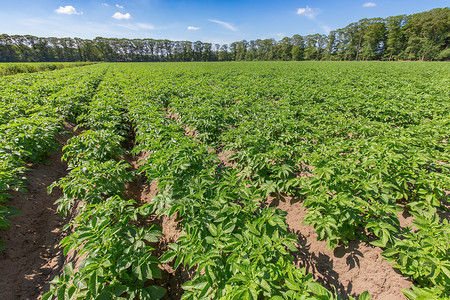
(224, 24)
(193, 28)
(369, 4)
(105, 4)
(308, 12)
(301, 11)
(67, 10)
(119, 6)
(120, 16)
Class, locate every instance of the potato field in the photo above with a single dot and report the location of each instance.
(220, 180)
(15, 68)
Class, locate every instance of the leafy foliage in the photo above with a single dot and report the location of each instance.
(355, 149)
(30, 121)
(356, 146)
(118, 261)
(423, 255)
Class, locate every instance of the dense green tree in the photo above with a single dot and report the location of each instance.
(298, 47)
(374, 43)
(223, 53)
(427, 34)
(395, 40)
(251, 51)
(285, 49)
(207, 52)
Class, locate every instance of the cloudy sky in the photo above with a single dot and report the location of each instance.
(208, 21)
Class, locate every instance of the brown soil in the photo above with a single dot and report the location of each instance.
(406, 219)
(33, 256)
(352, 270)
(172, 279)
(187, 130)
(142, 192)
(224, 157)
(171, 115)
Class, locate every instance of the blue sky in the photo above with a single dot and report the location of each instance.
(208, 21)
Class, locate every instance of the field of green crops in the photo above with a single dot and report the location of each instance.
(356, 142)
(16, 68)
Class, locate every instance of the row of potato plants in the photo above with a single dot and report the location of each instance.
(238, 248)
(357, 145)
(114, 252)
(118, 260)
(30, 119)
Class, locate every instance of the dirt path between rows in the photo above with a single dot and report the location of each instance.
(143, 191)
(351, 270)
(33, 256)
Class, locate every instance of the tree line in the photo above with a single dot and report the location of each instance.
(421, 36)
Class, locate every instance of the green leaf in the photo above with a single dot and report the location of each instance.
(228, 228)
(238, 278)
(119, 290)
(291, 284)
(137, 271)
(265, 286)
(178, 261)
(212, 229)
(446, 271)
(390, 252)
(93, 283)
(364, 296)
(185, 166)
(410, 294)
(47, 296)
(187, 285)
(253, 229)
(168, 256)
(62, 293)
(378, 243)
(156, 292)
(68, 269)
(290, 246)
(199, 283)
(317, 289)
(105, 295)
